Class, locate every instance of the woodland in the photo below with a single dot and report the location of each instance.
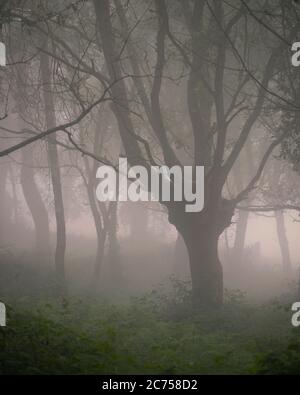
(148, 287)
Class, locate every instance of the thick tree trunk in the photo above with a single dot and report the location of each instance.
(283, 241)
(55, 173)
(36, 206)
(205, 266)
(201, 232)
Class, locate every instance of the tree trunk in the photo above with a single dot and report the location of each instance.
(36, 206)
(3, 202)
(15, 200)
(100, 230)
(98, 210)
(120, 105)
(113, 246)
(206, 269)
(283, 241)
(240, 235)
(280, 223)
(201, 232)
(55, 173)
(227, 243)
(241, 174)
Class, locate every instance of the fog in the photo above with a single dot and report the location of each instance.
(204, 94)
(50, 185)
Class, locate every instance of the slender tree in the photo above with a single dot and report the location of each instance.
(36, 206)
(55, 172)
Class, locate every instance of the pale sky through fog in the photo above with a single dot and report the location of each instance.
(260, 229)
(263, 230)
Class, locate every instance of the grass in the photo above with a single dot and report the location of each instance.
(159, 333)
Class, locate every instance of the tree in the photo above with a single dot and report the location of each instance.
(36, 206)
(55, 172)
(241, 173)
(215, 34)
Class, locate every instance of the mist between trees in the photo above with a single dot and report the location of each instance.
(162, 83)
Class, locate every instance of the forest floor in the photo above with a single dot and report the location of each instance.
(159, 333)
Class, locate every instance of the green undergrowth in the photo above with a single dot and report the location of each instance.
(159, 333)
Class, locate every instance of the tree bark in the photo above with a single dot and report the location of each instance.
(205, 266)
(36, 206)
(201, 233)
(283, 241)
